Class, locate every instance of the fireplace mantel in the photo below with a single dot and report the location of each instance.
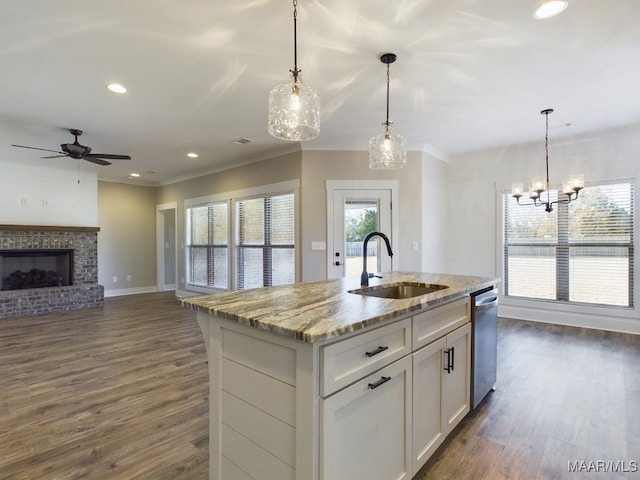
(47, 228)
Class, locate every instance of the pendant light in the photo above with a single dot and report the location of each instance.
(294, 108)
(571, 188)
(387, 150)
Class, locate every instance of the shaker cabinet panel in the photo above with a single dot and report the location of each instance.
(428, 425)
(366, 428)
(458, 379)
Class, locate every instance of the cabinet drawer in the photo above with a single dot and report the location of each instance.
(433, 324)
(346, 361)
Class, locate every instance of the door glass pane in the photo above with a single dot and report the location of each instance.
(360, 219)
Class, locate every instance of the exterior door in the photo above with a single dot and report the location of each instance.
(356, 213)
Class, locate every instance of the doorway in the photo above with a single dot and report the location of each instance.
(356, 209)
(166, 247)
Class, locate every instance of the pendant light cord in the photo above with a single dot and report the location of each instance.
(388, 79)
(295, 70)
(546, 151)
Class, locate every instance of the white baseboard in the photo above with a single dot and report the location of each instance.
(575, 319)
(129, 291)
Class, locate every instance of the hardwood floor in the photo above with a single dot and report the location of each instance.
(120, 392)
(564, 395)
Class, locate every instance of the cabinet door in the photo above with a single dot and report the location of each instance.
(457, 380)
(366, 428)
(428, 422)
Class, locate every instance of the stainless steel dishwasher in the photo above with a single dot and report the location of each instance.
(484, 343)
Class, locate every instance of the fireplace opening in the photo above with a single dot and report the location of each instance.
(33, 268)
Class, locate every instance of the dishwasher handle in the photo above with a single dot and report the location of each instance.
(486, 303)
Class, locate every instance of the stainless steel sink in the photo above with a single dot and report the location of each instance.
(400, 290)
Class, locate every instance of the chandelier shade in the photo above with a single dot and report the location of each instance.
(294, 107)
(387, 150)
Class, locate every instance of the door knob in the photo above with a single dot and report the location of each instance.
(337, 264)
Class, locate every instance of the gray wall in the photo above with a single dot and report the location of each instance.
(279, 169)
(127, 238)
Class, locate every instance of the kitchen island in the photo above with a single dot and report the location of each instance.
(317, 381)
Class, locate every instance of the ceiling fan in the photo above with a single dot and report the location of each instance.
(80, 152)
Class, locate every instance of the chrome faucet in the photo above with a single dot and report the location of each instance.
(364, 278)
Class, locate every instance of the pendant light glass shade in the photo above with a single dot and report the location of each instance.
(294, 108)
(294, 112)
(387, 150)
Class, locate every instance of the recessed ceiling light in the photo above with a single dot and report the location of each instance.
(134, 175)
(116, 88)
(192, 155)
(241, 141)
(550, 8)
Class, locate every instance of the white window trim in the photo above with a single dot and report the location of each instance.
(289, 186)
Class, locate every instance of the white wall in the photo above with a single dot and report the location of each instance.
(47, 192)
(433, 192)
(474, 234)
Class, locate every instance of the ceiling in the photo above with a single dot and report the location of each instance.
(470, 74)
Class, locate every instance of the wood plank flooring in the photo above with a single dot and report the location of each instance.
(564, 395)
(120, 392)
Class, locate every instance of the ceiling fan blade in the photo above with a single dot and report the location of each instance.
(56, 156)
(36, 148)
(97, 161)
(110, 156)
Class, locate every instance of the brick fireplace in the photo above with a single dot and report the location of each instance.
(83, 289)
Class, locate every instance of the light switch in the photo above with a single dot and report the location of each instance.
(318, 245)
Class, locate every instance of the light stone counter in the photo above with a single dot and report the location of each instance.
(316, 311)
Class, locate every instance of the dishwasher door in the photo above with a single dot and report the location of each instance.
(484, 358)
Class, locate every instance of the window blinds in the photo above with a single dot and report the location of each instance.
(581, 252)
(207, 245)
(265, 243)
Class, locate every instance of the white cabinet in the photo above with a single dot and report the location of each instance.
(371, 405)
(366, 427)
(441, 391)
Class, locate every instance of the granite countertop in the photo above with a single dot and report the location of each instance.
(317, 311)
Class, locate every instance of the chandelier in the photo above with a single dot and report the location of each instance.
(387, 150)
(294, 108)
(540, 185)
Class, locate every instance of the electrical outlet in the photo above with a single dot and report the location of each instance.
(115, 279)
(128, 278)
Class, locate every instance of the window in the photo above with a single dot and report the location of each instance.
(581, 252)
(265, 241)
(207, 229)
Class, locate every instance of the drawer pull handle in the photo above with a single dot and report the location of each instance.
(376, 351)
(379, 382)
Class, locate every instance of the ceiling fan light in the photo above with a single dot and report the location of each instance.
(294, 112)
(387, 150)
(550, 8)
